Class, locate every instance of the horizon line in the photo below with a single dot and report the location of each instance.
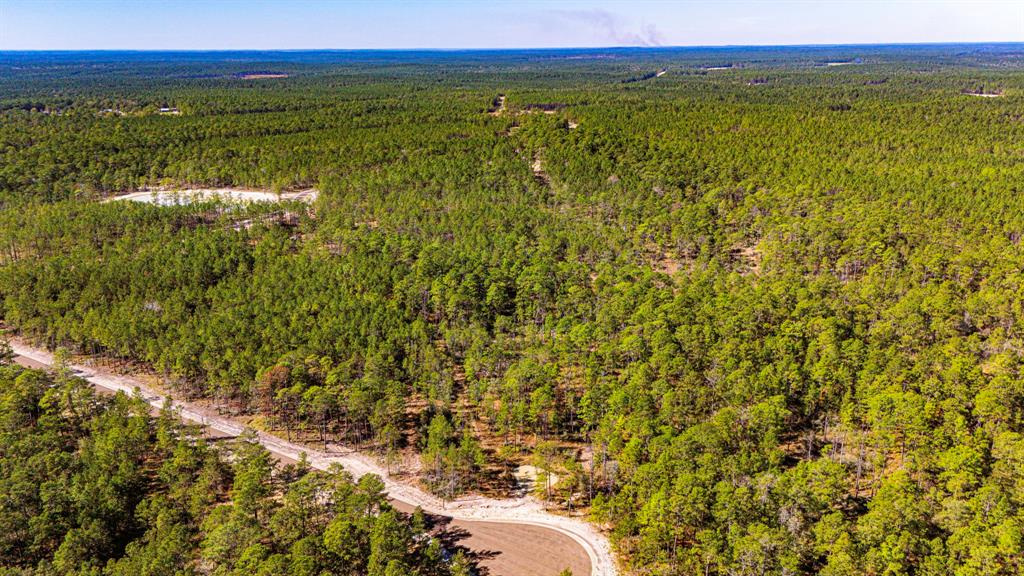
(527, 49)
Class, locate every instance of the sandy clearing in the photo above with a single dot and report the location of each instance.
(526, 477)
(499, 106)
(524, 518)
(718, 68)
(538, 170)
(983, 94)
(839, 63)
(172, 197)
(660, 73)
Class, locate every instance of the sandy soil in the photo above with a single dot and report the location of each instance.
(30, 363)
(500, 108)
(170, 197)
(668, 264)
(538, 170)
(526, 476)
(507, 534)
(660, 73)
(983, 94)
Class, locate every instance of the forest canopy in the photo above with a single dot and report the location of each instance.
(753, 315)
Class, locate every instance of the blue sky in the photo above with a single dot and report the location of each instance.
(296, 24)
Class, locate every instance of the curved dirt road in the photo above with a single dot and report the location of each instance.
(536, 541)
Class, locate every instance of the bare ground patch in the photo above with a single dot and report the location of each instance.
(747, 258)
(176, 196)
(538, 170)
(497, 106)
(668, 264)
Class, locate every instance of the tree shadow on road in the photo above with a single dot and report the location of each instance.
(452, 537)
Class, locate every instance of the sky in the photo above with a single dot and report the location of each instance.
(450, 24)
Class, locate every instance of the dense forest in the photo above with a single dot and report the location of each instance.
(97, 486)
(756, 311)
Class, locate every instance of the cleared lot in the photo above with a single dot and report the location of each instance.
(190, 195)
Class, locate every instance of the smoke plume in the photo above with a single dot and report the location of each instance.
(611, 28)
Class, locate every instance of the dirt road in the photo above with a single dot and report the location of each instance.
(512, 537)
